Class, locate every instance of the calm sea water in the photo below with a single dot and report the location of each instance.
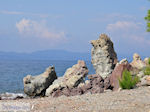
(12, 72)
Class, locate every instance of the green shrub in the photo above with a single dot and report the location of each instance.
(149, 61)
(147, 70)
(128, 81)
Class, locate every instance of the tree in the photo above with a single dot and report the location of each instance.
(147, 18)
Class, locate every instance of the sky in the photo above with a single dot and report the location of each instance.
(34, 25)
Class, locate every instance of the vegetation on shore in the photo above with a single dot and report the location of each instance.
(128, 81)
(147, 69)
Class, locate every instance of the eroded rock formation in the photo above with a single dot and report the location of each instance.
(37, 85)
(137, 62)
(95, 84)
(104, 57)
(67, 84)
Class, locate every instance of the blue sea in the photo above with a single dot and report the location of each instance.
(13, 72)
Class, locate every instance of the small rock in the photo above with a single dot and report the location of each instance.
(81, 84)
(107, 90)
(37, 85)
(145, 81)
(146, 61)
(123, 61)
(141, 74)
(11, 96)
(87, 81)
(86, 88)
(137, 62)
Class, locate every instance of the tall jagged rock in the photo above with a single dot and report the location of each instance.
(37, 85)
(104, 58)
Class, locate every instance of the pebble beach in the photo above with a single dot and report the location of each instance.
(134, 100)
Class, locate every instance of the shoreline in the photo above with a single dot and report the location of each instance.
(135, 100)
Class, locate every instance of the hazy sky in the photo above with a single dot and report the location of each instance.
(32, 25)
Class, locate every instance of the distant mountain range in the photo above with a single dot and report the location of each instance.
(45, 55)
(54, 55)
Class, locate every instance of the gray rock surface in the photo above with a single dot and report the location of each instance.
(37, 85)
(71, 79)
(104, 57)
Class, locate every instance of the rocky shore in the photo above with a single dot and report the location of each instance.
(78, 91)
(134, 100)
